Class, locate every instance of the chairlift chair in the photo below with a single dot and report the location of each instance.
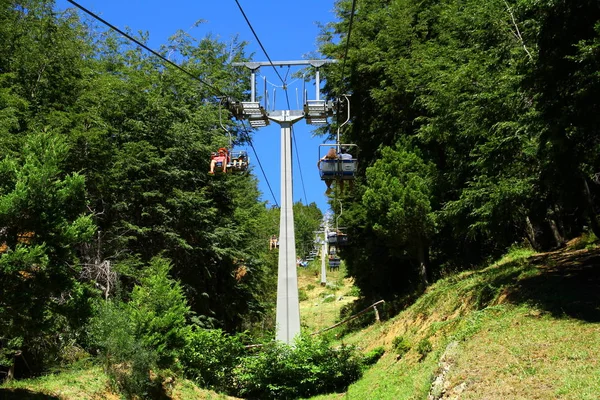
(337, 169)
(337, 238)
(334, 263)
(237, 160)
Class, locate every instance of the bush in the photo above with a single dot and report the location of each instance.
(210, 358)
(158, 311)
(126, 361)
(354, 291)
(401, 346)
(145, 334)
(311, 367)
(373, 356)
(302, 296)
(424, 347)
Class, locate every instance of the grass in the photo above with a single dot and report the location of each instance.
(321, 305)
(91, 384)
(525, 327)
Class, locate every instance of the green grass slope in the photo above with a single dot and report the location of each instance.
(527, 327)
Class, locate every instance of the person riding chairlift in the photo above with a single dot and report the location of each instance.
(240, 162)
(344, 155)
(331, 155)
(220, 157)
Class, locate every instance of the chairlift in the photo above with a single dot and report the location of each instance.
(218, 161)
(334, 263)
(273, 242)
(338, 162)
(342, 167)
(337, 238)
(234, 161)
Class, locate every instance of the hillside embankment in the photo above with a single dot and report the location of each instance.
(526, 327)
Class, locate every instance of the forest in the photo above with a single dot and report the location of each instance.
(477, 127)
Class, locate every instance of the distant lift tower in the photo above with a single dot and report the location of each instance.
(315, 112)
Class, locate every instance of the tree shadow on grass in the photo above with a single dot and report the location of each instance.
(24, 394)
(568, 285)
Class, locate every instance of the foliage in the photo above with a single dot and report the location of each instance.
(495, 112)
(43, 219)
(96, 133)
(424, 347)
(310, 367)
(126, 360)
(302, 295)
(373, 356)
(210, 358)
(147, 333)
(158, 312)
(307, 219)
(400, 345)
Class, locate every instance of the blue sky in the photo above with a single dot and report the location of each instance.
(287, 30)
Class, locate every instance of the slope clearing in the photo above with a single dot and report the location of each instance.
(526, 327)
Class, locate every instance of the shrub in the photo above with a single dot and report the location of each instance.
(210, 357)
(158, 310)
(401, 346)
(125, 360)
(302, 296)
(373, 356)
(424, 347)
(354, 291)
(311, 367)
(147, 333)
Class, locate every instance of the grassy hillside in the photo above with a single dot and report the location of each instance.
(526, 327)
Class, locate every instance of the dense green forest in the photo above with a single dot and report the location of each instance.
(104, 195)
(477, 127)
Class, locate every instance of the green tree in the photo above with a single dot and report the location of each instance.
(307, 219)
(44, 219)
(398, 205)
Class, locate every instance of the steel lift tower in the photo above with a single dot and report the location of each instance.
(314, 112)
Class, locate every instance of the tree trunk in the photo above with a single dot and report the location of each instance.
(590, 208)
(560, 241)
(530, 232)
(11, 370)
(422, 266)
(552, 217)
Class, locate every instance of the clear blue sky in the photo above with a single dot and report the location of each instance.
(287, 30)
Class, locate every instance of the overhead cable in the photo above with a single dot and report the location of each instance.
(214, 89)
(259, 163)
(299, 165)
(347, 44)
(258, 40)
(282, 81)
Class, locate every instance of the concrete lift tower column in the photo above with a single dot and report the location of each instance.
(315, 112)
